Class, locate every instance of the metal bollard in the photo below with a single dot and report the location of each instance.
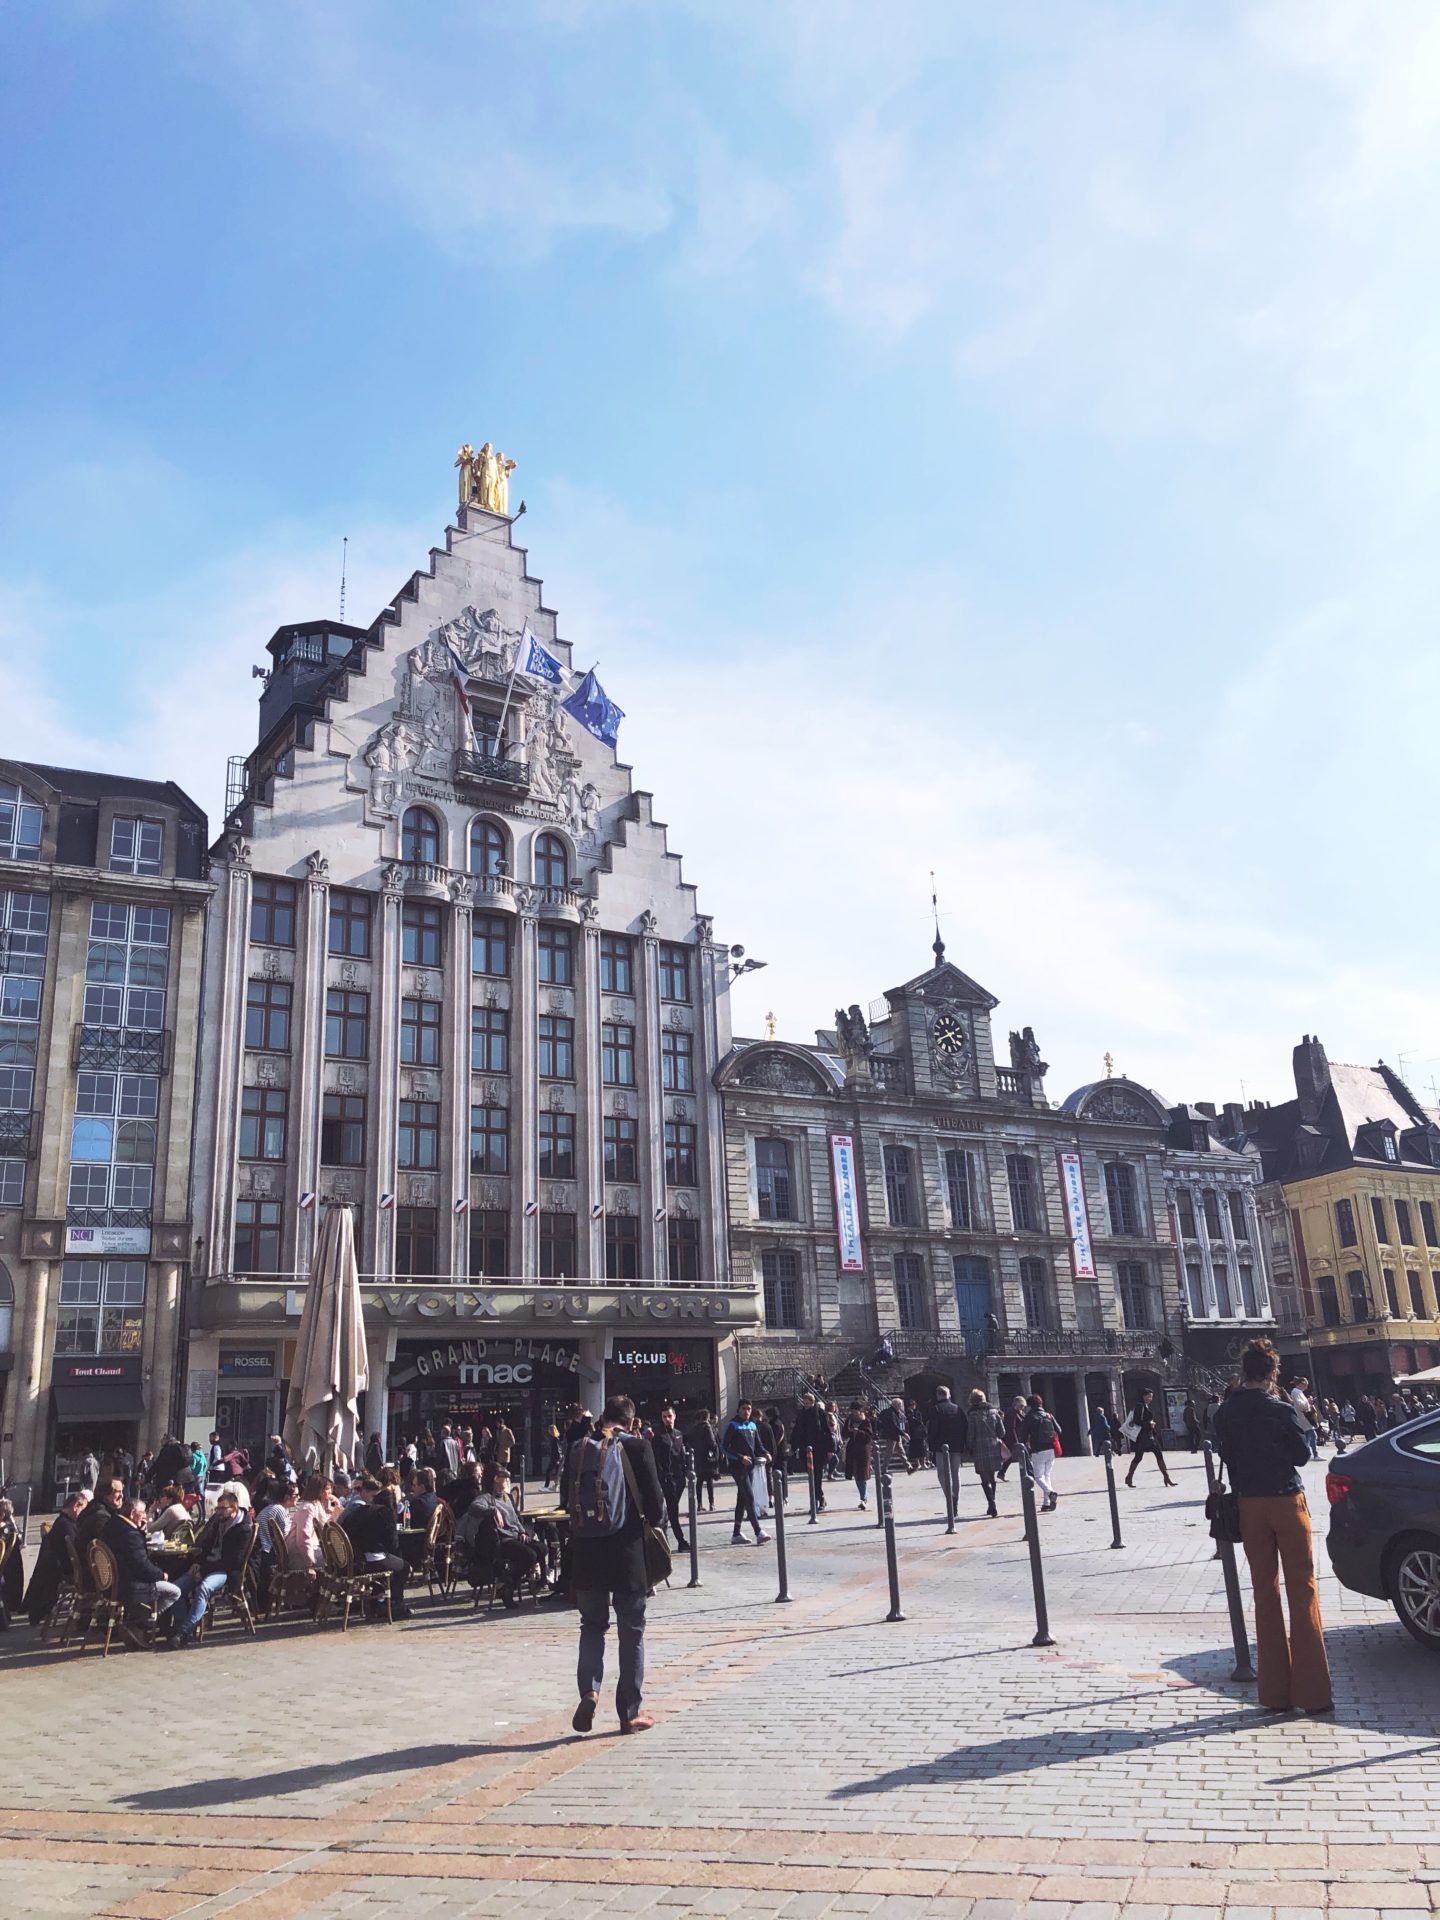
(1225, 1553)
(1114, 1498)
(777, 1505)
(884, 1497)
(694, 1515)
(942, 1461)
(1032, 1534)
(810, 1476)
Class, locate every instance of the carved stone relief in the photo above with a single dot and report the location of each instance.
(492, 1196)
(267, 1072)
(392, 877)
(773, 1074)
(620, 1103)
(348, 1080)
(421, 1188)
(679, 1019)
(649, 922)
(556, 1101)
(264, 1180)
(1121, 1106)
(318, 866)
(349, 974)
(622, 1201)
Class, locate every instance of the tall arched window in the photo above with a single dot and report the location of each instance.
(7, 1306)
(420, 836)
(552, 864)
(487, 847)
(21, 824)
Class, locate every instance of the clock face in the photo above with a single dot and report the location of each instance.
(949, 1035)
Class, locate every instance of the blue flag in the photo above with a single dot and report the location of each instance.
(537, 661)
(594, 709)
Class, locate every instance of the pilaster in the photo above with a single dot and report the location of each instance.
(525, 1080)
(590, 1106)
(652, 1103)
(710, 1142)
(384, 1062)
(229, 1026)
(455, 1151)
(313, 942)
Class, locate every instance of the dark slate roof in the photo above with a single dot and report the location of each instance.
(77, 783)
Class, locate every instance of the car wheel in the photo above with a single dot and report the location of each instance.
(1415, 1588)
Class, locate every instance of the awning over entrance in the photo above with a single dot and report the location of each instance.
(106, 1400)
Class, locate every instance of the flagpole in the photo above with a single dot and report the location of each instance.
(500, 730)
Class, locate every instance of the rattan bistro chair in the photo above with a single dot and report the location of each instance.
(439, 1568)
(76, 1597)
(108, 1608)
(341, 1580)
(238, 1593)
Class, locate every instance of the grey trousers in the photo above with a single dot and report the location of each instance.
(594, 1604)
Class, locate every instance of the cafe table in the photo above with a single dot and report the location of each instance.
(551, 1524)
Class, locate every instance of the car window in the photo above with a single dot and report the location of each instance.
(1424, 1441)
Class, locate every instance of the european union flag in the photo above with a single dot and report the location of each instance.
(594, 709)
(538, 662)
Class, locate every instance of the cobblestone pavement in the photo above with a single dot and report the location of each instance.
(814, 1759)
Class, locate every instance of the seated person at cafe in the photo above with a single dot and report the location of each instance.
(52, 1562)
(375, 1538)
(494, 1514)
(171, 1513)
(109, 1498)
(423, 1497)
(303, 1551)
(464, 1489)
(220, 1550)
(136, 1573)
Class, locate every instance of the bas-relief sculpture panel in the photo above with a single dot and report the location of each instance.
(411, 755)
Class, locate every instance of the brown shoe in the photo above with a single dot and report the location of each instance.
(642, 1723)
(583, 1717)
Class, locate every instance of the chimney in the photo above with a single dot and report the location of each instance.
(1312, 1078)
(1234, 1118)
(1207, 1107)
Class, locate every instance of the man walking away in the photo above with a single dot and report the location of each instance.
(609, 1509)
(668, 1446)
(1305, 1407)
(1192, 1426)
(810, 1438)
(741, 1447)
(945, 1433)
(892, 1428)
(706, 1448)
(1147, 1438)
(1039, 1431)
(1012, 1421)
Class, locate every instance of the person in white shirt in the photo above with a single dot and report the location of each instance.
(1305, 1407)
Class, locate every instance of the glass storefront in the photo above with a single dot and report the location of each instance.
(660, 1372)
(530, 1383)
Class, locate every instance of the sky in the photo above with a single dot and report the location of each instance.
(995, 442)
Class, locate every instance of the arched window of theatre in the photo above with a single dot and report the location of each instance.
(488, 847)
(420, 836)
(552, 863)
(7, 1306)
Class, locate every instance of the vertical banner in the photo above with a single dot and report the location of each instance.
(847, 1203)
(1077, 1217)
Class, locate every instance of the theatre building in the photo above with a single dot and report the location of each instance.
(102, 894)
(459, 985)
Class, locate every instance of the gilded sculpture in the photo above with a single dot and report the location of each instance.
(484, 478)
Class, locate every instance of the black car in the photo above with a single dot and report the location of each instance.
(1385, 1523)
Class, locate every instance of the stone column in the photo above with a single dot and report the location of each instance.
(652, 1102)
(525, 1085)
(462, 892)
(385, 1061)
(305, 1074)
(35, 1281)
(228, 1019)
(710, 1125)
(590, 1101)
(162, 1310)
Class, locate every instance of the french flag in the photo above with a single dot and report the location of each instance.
(460, 680)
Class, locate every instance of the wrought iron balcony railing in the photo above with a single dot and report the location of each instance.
(107, 1216)
(482, 769)
(122, 1049)
(1036, 1341)
(17, 1134)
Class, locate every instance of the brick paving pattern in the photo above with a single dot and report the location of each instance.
(810, 1760)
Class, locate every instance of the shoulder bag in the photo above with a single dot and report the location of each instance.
(1222, 1510)
(658, 1558)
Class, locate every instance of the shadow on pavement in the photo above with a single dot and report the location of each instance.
(260, 1786)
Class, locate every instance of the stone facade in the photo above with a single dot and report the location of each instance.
(991, 1238)
(1213, 1192)
(458, 983)
(102, 898)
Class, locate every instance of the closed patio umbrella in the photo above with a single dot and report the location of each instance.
(330, 1372)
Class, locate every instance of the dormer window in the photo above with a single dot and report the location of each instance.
(1376, 1140)
(22, 823)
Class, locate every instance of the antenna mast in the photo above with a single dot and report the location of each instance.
(344, 558)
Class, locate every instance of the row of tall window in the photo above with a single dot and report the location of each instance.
(422, 941)
(1404, 1234)
(1140, 1307)
(1210, 1213)
(259, 1243)
(270, 1003)
(1234, 1299)
(24, 932)
(136, 846)
(1414, 1302)
(265, 1118)
(776, 1197)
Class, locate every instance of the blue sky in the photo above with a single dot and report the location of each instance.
(999, 441)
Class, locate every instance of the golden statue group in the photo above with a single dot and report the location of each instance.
(484, 478)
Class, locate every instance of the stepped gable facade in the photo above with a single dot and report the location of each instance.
(457, 982)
